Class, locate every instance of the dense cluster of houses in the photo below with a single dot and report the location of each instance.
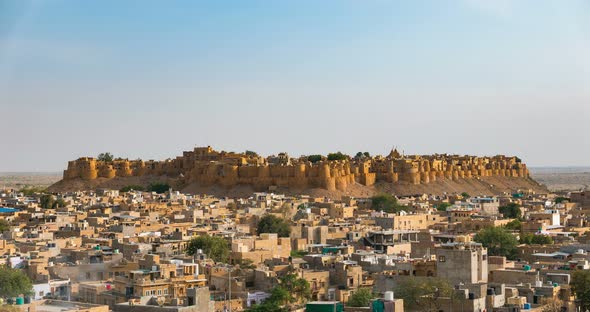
(109, 250)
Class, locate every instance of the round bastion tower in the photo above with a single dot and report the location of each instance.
(326, 180)
(229, 176)
(124, 168)
(87, 168)
(72, 171)
(106, 171)
(300, 179)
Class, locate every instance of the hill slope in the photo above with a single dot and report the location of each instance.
(473, 186)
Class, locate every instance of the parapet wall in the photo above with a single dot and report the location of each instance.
(208, 167)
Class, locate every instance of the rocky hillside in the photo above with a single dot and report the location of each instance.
(473, 186)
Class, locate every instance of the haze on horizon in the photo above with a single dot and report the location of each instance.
(152, 79)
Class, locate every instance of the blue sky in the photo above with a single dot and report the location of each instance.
(148, 79)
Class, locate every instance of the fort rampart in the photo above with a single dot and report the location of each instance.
(206, 167)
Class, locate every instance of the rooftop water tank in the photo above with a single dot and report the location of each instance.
(527, 306)
(388, 295)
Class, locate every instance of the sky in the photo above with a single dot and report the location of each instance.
(150, 79)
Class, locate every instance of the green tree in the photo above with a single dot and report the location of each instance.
(424, 294)
(217, 248)
(387, 203)
(498, 241)
(337, 156)
(514, 225)
(28, 191)
(542, 240)
(581, 286)
(532, 239)
(361, 155)
(298, 288)
(298, 253)
(272, 224)
(291, 289)
(158, 187)
(46, 201)
(108, 157)
(251, 153)
(59, 203)
(4, 226)
(561, 199)
(511, 211)
(443, 206)
(465, 195)
(314, 158)
(14, 283)
(280, 296)
(361, 298)
(128, 188)
(526, 239)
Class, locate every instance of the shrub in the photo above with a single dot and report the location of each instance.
(217, 248)
(314, 158)
(387, 203)
(337, 156)
(158, 187)
(273, 224)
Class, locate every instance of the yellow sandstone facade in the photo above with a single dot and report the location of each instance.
(207, 167)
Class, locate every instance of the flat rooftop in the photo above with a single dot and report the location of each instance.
(61, 306)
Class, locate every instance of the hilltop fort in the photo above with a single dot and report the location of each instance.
(205, 167)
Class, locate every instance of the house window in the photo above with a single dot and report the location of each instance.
(442, 259)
